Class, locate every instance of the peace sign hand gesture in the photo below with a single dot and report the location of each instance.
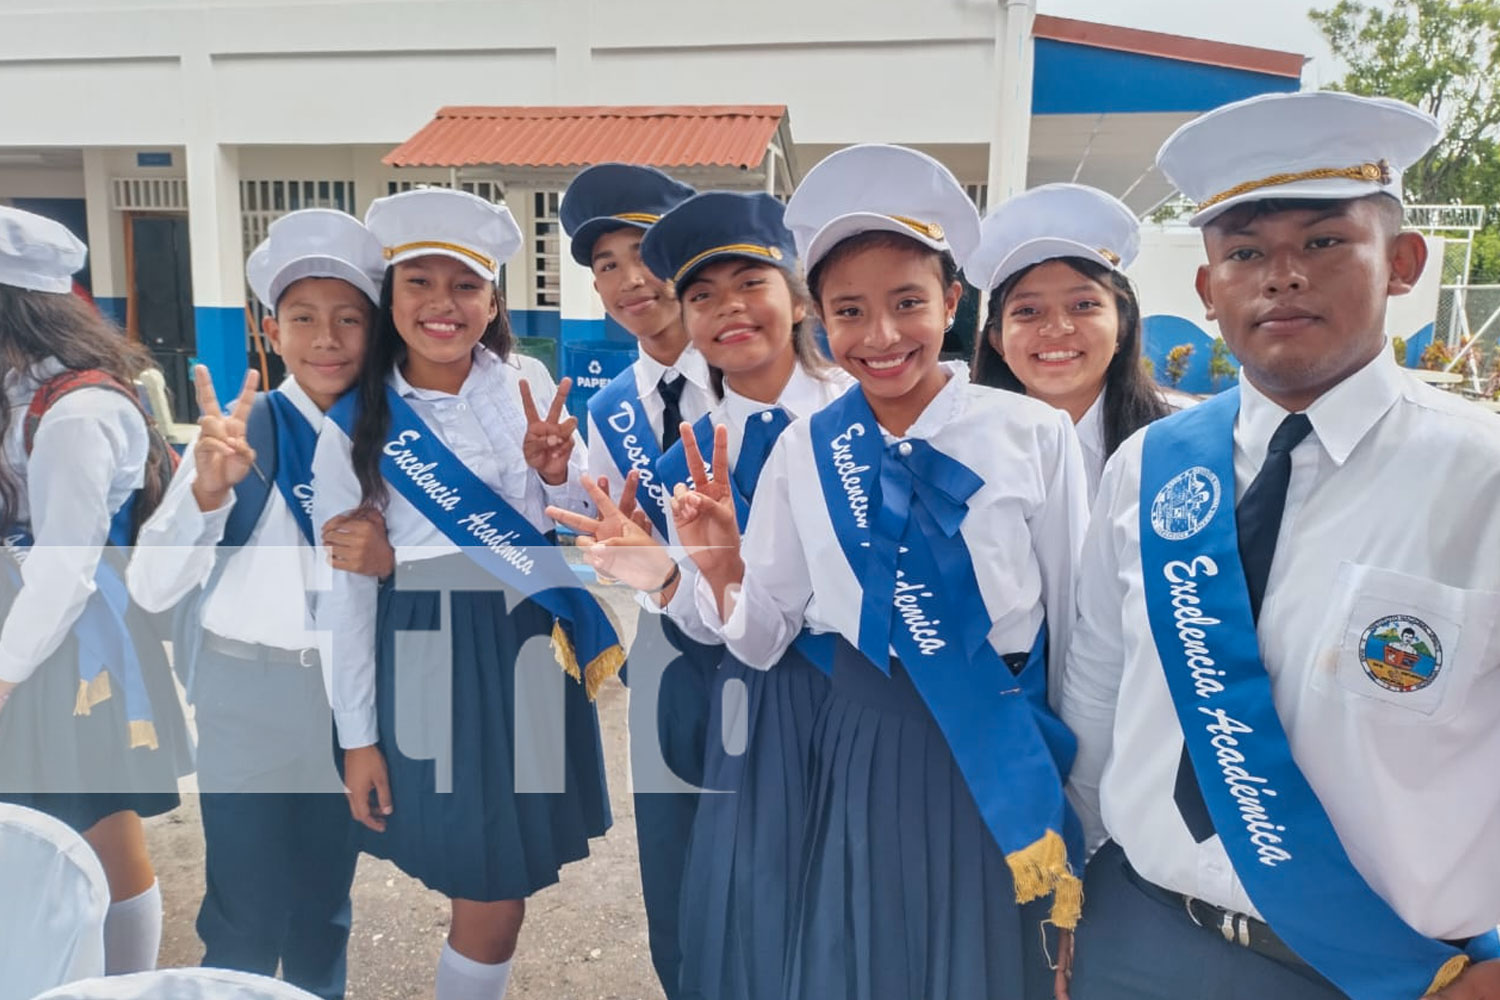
(615, 543)
(548, 443)
(221, 453)
(705, 516)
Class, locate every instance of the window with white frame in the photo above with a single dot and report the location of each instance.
(545, 248)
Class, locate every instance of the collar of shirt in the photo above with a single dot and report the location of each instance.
(486, 365)
(1090, 428)
(946, 407)
(690, 365)
(1341, 417)
(292, 389)
(802, 395)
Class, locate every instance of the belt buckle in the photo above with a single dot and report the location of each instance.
(306, 655)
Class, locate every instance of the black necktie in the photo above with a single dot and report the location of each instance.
(670, 389)
(1258, 519)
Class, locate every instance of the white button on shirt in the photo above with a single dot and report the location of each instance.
(262, 595)
(1390, 510)
(696, 400)
(88, 456)
(482, 425)
(1023, 528)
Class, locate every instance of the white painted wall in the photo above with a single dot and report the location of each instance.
(328, 72)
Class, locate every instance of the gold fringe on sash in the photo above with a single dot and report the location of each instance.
(600, 669)
(143, 734)
(1041, 870)
(91, 693)
(1451, 970)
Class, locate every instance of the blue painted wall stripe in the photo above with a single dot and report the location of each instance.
(220, 333)
(1072, 79)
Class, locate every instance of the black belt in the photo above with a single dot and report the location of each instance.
(254, 652)
(1236, 928)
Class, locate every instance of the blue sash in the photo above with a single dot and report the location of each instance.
(295, 443)
(673, 467)
(620, 419)
(911, 500)
(1282, 844)
(489, 531)
(107, 657)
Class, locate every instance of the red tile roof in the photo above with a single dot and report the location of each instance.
(660, 136)
(1155, 43)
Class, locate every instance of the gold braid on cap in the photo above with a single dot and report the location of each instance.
(486, 262)
(645, 217)
(743, 249)
(1373, 173)
(1109, 255)
(931, 230)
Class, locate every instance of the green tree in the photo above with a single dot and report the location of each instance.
(1221, 363)
(1444, 57)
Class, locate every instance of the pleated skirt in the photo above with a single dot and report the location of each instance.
(904, 893)
(745, 854)
(82, 768)
(481, 811)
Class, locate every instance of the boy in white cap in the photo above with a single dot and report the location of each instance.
(235, 530)
(1296, 808)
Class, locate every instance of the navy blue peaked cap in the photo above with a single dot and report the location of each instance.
(714, 225)
(610, 196)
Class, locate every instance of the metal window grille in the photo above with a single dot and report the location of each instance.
(546, 260)
(979, 194)
(153, 194)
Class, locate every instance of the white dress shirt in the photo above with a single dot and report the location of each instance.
(1390, 510)
(802, 396)
(262, 596)
(482, 425)
(1023, 528)
(697, 399)
(1090, 428)
(88, 456)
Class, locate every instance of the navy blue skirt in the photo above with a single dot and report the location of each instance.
(448, 730)
(904, 892)
(82, 768)
(746, 850)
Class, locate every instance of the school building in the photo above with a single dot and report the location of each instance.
(169, 133)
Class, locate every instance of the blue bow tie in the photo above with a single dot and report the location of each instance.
(920, 488)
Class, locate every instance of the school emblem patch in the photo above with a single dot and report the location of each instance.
(1187, 503)
(1401, 653)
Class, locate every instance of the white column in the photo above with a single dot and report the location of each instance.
(1010, 142)
(106, 249)
(214, 234)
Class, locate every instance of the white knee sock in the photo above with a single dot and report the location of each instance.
(460, 978)
(132, 933)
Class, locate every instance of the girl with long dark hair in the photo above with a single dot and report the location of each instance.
(91, 730)
(1063, 323)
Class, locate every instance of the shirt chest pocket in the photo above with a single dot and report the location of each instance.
(1409, 648)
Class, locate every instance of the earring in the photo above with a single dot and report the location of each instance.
(951, 318)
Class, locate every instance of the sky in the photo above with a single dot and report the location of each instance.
(1272, 24)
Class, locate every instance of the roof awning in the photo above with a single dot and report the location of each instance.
(717, 138)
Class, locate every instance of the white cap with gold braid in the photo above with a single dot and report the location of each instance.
(1308, 146)
(880, 188)
(447, 223)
